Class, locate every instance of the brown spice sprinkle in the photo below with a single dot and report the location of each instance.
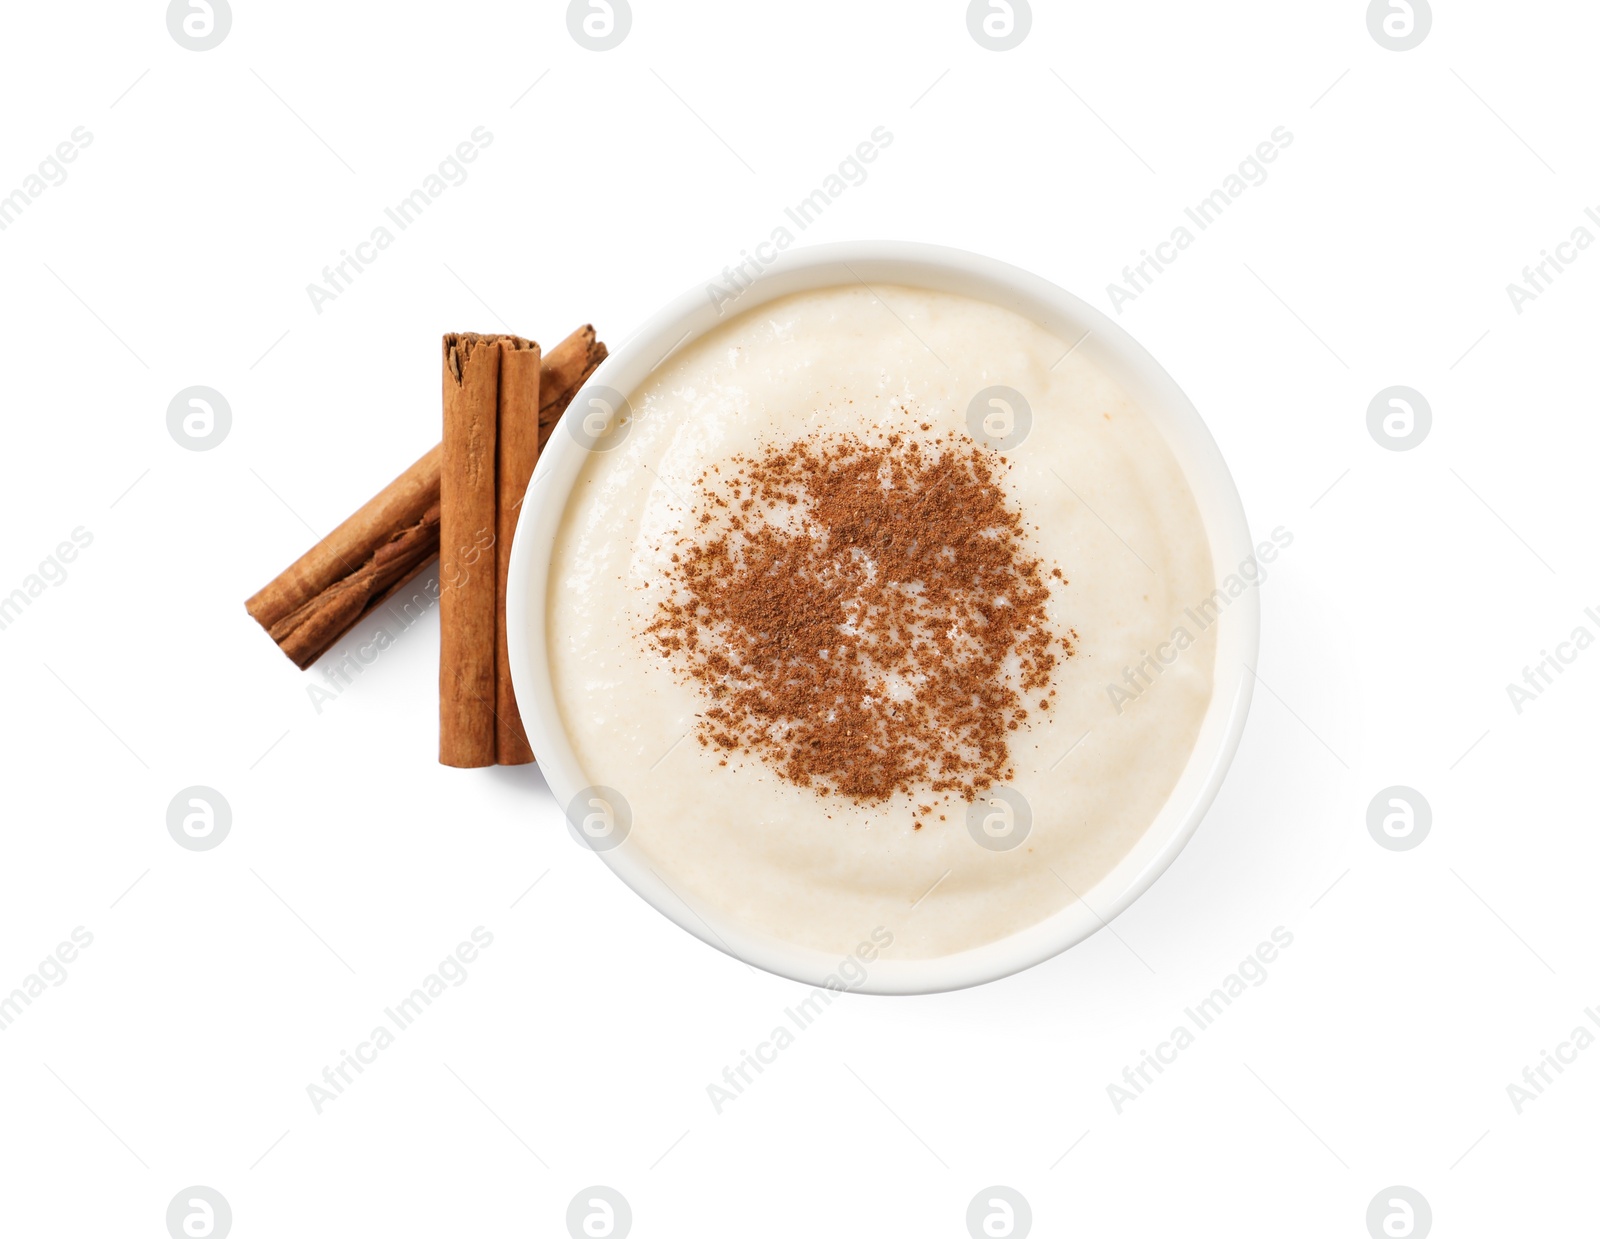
(862, 616)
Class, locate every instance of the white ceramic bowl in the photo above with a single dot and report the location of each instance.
(1145, 382)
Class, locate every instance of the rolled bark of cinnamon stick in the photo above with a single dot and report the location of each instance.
(328, 590)
(468, 584)
(305, 633)
(517, 448)
(565, 368)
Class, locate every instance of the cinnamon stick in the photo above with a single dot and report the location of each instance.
(347, 575)
(517, 449)
(468, 586)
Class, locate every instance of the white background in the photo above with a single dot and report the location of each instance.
(219, 985)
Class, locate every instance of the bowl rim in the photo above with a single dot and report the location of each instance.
(1141, 377)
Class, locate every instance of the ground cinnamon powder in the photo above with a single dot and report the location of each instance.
(863, 616)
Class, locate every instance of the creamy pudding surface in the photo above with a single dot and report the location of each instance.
(867, 644)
